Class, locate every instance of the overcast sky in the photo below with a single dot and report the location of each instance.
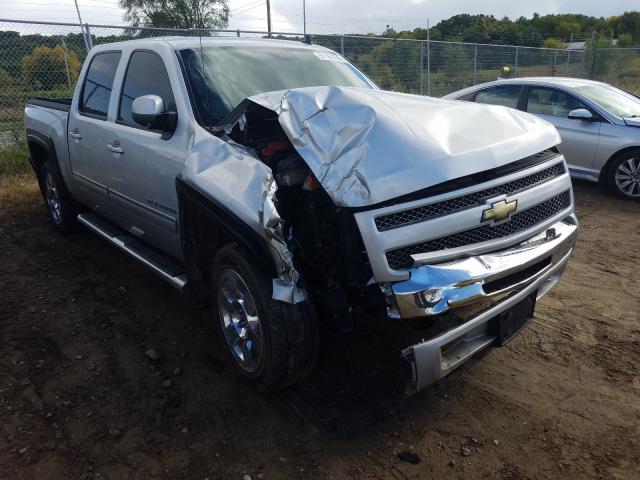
(327, 16)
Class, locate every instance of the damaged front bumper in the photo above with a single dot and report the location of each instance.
(475, 290)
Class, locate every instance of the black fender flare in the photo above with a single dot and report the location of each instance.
(230, 229)
(44, 141)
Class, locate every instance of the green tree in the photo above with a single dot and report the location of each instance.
(177, 13)
(628, 22)
(553, 43)
(46, 68)
(624, 40)
(6, 80)
(393, 65)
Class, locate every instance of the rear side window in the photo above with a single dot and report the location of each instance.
(146, 75)
(467, 97)
(505, 95)
(96, 90)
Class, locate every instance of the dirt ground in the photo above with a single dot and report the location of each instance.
(79, 398)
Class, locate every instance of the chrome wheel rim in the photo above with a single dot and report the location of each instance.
(240, 321)
(53, 199)
(628, 177)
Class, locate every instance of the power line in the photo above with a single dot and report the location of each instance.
(250, 4)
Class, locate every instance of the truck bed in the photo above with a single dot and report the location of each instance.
(63, 104)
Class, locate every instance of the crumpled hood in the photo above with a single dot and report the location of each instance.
(369, 146)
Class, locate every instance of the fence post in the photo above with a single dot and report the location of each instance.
(342, 44)
(66, 60)
(428, 65)
(516, 66)
(238, 33)
(555, 58)
(593, 55)
(475, 64)
(421, 67)
(569, 55)
(87, 33)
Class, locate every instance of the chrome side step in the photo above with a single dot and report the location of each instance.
(158, 262)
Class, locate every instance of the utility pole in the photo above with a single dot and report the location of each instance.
(84, 34)
(304, 17)
(269, 17)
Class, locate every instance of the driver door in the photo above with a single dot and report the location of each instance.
(579, 137)
(145, 162)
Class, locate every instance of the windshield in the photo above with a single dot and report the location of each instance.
(221, 77)
(615, 101)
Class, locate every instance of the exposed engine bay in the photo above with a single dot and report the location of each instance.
(323, 238)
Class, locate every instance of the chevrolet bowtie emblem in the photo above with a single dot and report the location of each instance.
(499, 211)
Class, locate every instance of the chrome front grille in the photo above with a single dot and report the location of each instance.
(447, 207)
(400, 258)
(449, 225)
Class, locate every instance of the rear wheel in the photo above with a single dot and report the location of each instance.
(62, 209)
(272, 344)
(624, 175)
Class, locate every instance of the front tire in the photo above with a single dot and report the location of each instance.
(624, 175)
(62, 208)
(271, 343)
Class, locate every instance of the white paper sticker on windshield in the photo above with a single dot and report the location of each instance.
(330, 56)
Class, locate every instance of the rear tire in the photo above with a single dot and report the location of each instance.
(272, 344)
(624, 175)
(61, 207)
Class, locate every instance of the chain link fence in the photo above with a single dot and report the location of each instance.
(44, 59)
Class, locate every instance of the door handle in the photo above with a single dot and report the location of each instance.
(115, 147)
(75, 134)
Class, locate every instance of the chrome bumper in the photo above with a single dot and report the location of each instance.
(495, 281)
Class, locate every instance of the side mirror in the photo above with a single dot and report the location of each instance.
(149, 111)
(581, 114)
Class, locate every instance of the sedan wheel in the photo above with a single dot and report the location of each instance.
(625, 176)
(628, 177)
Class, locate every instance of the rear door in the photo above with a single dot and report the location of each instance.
(579, 138)
(142, 171)
(88, 130)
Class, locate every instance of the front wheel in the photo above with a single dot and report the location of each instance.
(272, 344)
(624, 175)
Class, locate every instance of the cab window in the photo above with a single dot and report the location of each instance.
(551, 101)
(146, 75)
(97, 86)
(505, 95)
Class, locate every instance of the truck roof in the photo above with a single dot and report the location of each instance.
(180, 43)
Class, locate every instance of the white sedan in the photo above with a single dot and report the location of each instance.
(599, 124)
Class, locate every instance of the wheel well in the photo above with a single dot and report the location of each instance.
(604, 173)
(206, 227)
(39, 155)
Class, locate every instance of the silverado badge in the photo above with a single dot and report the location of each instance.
(499, 211)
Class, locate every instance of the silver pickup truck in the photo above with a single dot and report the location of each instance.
(280, 186)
